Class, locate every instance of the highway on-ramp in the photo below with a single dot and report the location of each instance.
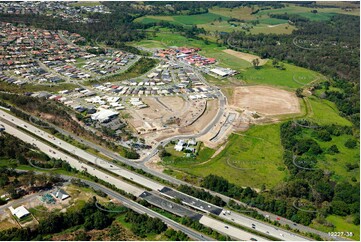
(77, 152)
(102, 175)
(77, 164)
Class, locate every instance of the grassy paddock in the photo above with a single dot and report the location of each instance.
(325, 112)
(342, 224)
(292, 77)
(246, 160)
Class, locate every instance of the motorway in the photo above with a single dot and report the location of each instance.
(242, 220)
(140, 165)
(141, 209)
(56, 153)
(101, 175)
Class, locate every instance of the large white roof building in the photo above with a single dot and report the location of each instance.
(103, 115)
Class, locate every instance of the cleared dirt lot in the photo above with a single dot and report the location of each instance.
(266, 100)
(246, 56)
(159, 111)
(204, 120)
(168, 113)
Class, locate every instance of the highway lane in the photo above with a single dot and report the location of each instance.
(261, 227)
(106, 177)
(50, 151)
(173, 180)
(107, 165)
(81, 153)
(228, 229)
(222, 101)
(233, 217)
(141, 209)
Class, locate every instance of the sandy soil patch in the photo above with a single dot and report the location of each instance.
(204, 120)
(266, 100)
(160, 111)
(154, 164)
(245, 56)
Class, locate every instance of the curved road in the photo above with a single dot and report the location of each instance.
(139, 164)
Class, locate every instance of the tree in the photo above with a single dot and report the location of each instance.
(131, 154)
(163, 152)
(324, 135)
(299, 92)
(53, 224)
(82, 236)
(255, 63)
(4, 179)
(275, 63)
(339, 208)
(333, 149)
(97, 220)
(356, 220)
(351, 143)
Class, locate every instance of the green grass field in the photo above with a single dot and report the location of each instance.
(179, 160)
(337, 162)
(292, 77)
(272, 21)
(246, 160)
(154, 19)
(342, 224)
(165, 39)
(199, 18)
(183, 19)
(239, 12)
(216, 18)
(273, 29)
(325, 112)
(321, 15)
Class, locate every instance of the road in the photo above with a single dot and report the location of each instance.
(56, 153)
(139, 164)
(19, 201)
(261, 227)
(104, 176)
(50, 151)
(104, 164)
(141, 209)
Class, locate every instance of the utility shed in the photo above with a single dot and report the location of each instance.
(19, 212)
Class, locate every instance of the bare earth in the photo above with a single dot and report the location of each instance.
(245, 56)
(158, 112)
(266, 100)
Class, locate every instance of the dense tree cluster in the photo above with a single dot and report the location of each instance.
(176, 235)
(142, 224)
(194, 7)
(92, 218)
(335, 42)
(313, 186)
(12, 147)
